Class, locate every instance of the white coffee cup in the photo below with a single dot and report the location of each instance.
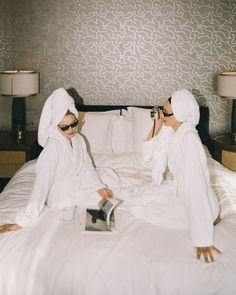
(68, 213)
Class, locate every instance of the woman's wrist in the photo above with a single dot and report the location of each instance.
(154, 131)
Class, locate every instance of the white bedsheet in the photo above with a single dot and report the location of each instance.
(55, 258)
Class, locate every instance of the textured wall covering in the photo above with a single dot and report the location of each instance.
(118, 51)
(6, 54)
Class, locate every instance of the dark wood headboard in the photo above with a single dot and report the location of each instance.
(202, 127)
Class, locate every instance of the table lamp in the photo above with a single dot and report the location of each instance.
(226, 87)
(19, 84)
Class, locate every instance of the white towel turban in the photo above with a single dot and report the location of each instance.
(185, 107)
(54, 109)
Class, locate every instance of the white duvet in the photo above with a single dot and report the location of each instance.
(56, 257)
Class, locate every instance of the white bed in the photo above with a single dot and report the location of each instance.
(53, 257)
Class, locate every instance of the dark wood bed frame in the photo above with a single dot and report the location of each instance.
(202, 127)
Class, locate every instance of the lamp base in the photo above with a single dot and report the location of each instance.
(233, 117)
(18, 114)
(233, 137)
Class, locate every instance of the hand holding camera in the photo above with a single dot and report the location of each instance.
(157, 116)
(155, 113)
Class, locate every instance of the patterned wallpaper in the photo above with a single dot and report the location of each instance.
(123, 52)
(6, 53)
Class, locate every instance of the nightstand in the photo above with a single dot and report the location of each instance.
(13, 152)
(225, 151)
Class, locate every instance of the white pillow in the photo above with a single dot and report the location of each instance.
(122, 135)
(141, 126)
(97, 131)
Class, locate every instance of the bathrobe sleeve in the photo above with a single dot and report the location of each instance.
(155, 152)
(147, 149)
(89, 177)
(45, 171)
(198, 195)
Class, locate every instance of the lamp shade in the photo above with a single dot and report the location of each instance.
(226, 87)
(19, 83)
(226, 84)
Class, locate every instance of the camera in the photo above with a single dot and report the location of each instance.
(155, 113)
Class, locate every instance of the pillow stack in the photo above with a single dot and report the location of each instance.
(109, 132)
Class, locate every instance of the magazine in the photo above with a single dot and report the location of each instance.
(103, 219)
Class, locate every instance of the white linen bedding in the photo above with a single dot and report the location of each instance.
(53, 257)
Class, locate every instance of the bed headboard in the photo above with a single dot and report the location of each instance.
(202, 127)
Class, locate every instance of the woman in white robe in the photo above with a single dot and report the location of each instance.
(176, 147)
(65, 175)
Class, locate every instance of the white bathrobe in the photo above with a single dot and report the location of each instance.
(64, 172)
(192, 200)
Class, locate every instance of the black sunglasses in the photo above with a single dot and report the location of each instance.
(73, 125)
(167, 114)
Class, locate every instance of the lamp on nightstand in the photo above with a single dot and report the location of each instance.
(19, 84)
(226, 87)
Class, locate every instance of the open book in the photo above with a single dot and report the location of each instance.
(102, 220)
